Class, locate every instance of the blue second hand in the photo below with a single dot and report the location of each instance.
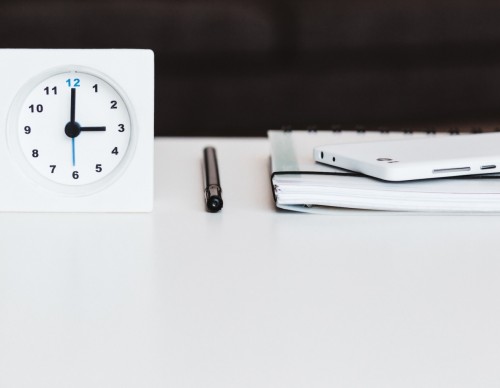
(73, 149)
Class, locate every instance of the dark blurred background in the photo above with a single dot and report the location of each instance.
(239, 67)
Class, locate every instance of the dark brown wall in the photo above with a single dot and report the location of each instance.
(240, 67)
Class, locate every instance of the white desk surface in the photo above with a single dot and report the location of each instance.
(248, 297)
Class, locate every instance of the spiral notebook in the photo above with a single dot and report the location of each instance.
(301, 184)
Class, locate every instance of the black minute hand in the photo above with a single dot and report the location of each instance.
(72, 129)
(73, 103)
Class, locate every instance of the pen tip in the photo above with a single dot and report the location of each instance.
(214, 204)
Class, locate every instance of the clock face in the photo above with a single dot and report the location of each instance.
(74, 128)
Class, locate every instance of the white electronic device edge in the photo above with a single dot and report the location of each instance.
(416, 158)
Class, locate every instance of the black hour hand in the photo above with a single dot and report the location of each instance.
(93, 129)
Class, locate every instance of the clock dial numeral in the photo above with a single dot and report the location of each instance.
(27, 130)
(96, 88)
(48, 90)
(98, 167)
(115, 151)
(36, 108)
(73, 83)
(114, 105)
(122, 128)
(75, 175)
(34, 153)
(52, 168)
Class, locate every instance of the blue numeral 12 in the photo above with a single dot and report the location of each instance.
(74, 81)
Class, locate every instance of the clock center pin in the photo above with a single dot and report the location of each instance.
(72, 129)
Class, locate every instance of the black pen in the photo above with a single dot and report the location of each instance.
(213, 190)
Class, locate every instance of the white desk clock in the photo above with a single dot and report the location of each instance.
(77, 130)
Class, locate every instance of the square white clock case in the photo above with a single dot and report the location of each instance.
(78, 130)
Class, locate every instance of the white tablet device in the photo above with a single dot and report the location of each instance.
(417, 158)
